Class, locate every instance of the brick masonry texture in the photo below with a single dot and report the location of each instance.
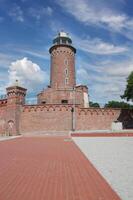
(59, 118)
(51, 168)
(58, 57)
(45, 118)
(37, 118)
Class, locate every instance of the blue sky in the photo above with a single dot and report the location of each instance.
(101, 30)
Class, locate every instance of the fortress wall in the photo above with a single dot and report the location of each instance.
(2, 120)
(59, 118)
(9, 119)
(41, 118)
(45, 118)
(95, 119)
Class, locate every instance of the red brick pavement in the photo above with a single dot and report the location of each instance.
(49, 168)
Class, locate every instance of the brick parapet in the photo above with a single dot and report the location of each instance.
(47, 107)
(98, 111)
(3, 102)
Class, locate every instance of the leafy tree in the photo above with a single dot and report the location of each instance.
(128, 94)
(92, 104)
(117, 104)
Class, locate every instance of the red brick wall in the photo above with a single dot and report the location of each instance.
(55, 96)
(13, 116)
(59, 118)
(55, 118)
(2, 120)
(45, 118)
(95, 119)
(58, 55)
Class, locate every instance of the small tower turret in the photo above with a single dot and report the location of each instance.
(16, 95)
(15, 101)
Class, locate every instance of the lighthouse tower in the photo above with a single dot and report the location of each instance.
(62, 62)
(62, 88)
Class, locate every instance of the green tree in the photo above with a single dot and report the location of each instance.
(117, 104)
(92, 104)
(128, 94)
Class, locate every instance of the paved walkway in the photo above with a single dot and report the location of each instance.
(2, 138)
(49, 168)
(102, 134)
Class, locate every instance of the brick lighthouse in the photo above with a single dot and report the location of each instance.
(62, 106)
(63, 88)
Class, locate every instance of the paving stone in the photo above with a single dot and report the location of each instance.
(49, 168)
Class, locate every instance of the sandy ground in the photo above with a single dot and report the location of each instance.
(113, 157)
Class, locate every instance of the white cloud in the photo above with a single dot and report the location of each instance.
(97, 46)
(48, 10)
(37, 54)
(2, 91)
(16, 13)
(108, 82)
(31, 100)
(56, 26)
(40, 12)
(5, 60)
(121, 69)
(94, 13)
(28, 74)
(3, 82)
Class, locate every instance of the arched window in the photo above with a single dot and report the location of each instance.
(66, 61)
(66, 81)
(66, 71)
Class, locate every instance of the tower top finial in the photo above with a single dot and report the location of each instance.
(16, 82)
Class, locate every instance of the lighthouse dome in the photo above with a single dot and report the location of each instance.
(62, 38)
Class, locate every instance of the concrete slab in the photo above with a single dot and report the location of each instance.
(113, 158)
